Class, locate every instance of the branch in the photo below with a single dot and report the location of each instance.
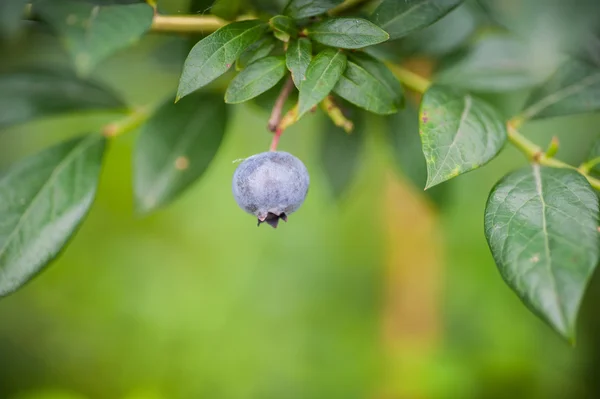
(537, 155)
(210, 23)
(275, 118)
(186, 23)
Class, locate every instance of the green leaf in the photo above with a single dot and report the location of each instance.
(271, 7)
(90, 32)
(443, 36)
(399, 18)
(213, 56)
(340, 152)
(11, 12)
(283, 27)
(298, 9)
(29, 94)
(573, 89)
(175, 148)
(459, 133)
(266, 101)
(200, 6)
(349, 33)
(322, 74)
(257, 78)
(43, 199)
(363, 90)
(227, 9)
(494, 63)
(256, 51)
(405, 144)
(381, 73)
(541, 226)
(297, 58)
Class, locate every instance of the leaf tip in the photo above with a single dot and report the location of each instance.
(431, 183)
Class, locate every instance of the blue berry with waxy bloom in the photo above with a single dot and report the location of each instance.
(270, 185)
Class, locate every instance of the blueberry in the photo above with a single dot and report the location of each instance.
(270, 186)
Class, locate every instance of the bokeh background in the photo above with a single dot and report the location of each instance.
(381, 293)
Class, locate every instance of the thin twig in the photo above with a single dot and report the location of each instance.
(277, 111)
(537, 155)
(336, 115)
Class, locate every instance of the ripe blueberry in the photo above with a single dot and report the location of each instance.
(270, 186)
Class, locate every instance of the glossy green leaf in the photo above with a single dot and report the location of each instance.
(322, 74)
(307, 8)
(459, 133)
(93, 32)
(43, 199)
(362, 89)
(340, 152)
(541, 226)
(256, 51)
(349, 33)
(213, 56)
(297, 58)
(494, 63)
(283, 27)
(175, 147)
(405, 144)
(29, 94)
(257, 78)
(381, 72)
(11, 13)
(399, 18)
(573, 89)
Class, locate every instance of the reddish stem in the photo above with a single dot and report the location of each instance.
(275, 118)
(275, 140)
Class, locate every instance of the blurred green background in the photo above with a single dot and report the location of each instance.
(378, 295)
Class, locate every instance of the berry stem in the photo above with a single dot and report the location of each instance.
(288, 120)
(275, 140)
(275, 118)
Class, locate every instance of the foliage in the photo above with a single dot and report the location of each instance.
(541, 222)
